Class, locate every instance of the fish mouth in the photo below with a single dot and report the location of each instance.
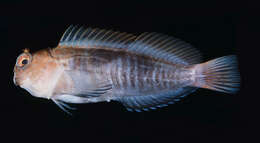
(14, 80)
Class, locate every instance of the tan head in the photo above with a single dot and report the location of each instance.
(23, 63)
(35, 72)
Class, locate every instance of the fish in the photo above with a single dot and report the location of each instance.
(143, 72)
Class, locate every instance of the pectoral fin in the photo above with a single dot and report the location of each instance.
(95, 92)
(86, 85)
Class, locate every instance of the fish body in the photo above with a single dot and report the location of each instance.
(142, 72)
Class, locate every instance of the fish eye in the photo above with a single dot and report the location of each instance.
(23, 59)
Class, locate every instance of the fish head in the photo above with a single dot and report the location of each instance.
(22, 67)
(35, 72)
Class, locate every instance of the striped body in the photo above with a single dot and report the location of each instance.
(130, 74)
(142, 72)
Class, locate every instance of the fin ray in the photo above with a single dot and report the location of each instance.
(156, 45)
(151, 102)
(63, 106)
(80, 37)
(219, 74)
(172, 49)
(83, 88)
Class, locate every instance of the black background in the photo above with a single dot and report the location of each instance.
(216, 29)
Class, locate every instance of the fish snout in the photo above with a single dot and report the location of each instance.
(15, 80)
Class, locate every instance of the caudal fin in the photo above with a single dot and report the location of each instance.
(219, 74)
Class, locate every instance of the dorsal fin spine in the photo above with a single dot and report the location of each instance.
(139, 43)
(74, 38)
(161, 44)
(173, 50)
(109, 37)
(90, 38)
(179, 52)
(77, 41)
(166, 47)
(122, 39)
(96, 36)
(155, 45)
(64, 36)
(162, 51)
(158, 45)
(81, 38)
(152, 52)
(69, 36)
(103, 38)
(84, 34)
(93, 39)
(136, 43)
(125, 38)
(153, 40)
(116, 38)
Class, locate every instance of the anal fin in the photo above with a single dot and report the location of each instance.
(154, 101)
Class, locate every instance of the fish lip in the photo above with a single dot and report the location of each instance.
(14, 80)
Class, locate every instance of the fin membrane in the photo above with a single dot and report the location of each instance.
(164, 47)
(100, 90)
(63, 106)
(151, 102)
(156, 45)
(219, 74)
(81, 37)
(84, 85)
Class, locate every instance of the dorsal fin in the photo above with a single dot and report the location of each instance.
(81, 37)
(164, 47)
(156, 45)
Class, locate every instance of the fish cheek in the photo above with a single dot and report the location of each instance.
(24, 75)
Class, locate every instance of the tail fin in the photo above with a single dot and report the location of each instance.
(219, 74)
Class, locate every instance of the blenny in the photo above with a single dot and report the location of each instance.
(142, 72)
